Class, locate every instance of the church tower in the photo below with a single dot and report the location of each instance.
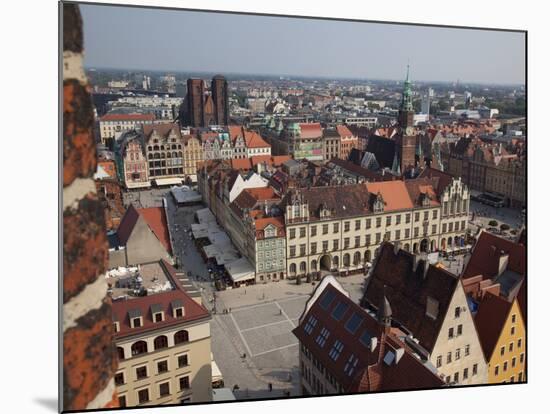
(407, 142)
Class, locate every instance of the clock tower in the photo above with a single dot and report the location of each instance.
(406, 139)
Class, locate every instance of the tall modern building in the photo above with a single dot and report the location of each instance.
(203, 107)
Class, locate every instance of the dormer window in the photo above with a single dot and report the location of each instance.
(378, 204)
(177, 309)
(136, 320)
(157, 312)
(425, 200)
(296, 210)
(116, 326)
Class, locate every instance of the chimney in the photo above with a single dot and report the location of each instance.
(503, 262)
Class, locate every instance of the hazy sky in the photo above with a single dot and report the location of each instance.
(152, 39)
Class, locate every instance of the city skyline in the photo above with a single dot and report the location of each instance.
(113, 39)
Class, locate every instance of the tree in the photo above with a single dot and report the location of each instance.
(493, 223)
(504, 227)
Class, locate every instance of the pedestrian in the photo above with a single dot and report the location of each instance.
(270, 386)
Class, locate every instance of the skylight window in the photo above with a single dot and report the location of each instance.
(336, 350)
(322, 338)
(327, 299)
(349, 368)
(353, 323)
(311, 322)
(389, 358)
(365, 338)
(339, 310)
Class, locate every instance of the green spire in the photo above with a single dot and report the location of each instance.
(406, 100)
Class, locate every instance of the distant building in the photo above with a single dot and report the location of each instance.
(345, 349)
(162, 337)
(203, 108)
(111, 124)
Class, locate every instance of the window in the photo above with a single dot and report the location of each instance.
(292, 233)
(448, 379)
(519, 343)
(434, 214)
(459, 330)
(408, 218)
(136, 322)
(444, 228)
(521, 358)
(310, 324)
(474, 370)
(357, 241)
(161, 342)
(520, 377)
(122, 401)
(434, 229)
(325, 228)
(514, 318)
(407, 233)
(378, 221)
(346, 226)
(120, 352)
(183, 361)
(119, 378)
(513, 330)
(346, 242)
(325, 245)
(398, 219)
(179, 312)
(180, 337)
(465, 373)
(335, 244)
(416, 232)
(336, 350)
(139, 347)
(457, 354)
(416, 216)
(449, 357)
(302, 250)
(456, 377)
(388, 221)
(426, 213)
(505, 366)
(368, 223)
(164, 389)
(158, 317)
(511, 347)
(378, 236)
(141, 372)
(439, 362)
(451, 332)
(339, 310)
(467, 350)
(349, 368)
(302, 232)
(326, 300)
(357, 224)
(502, 350)
(116, 326)
(143, 396)
(184, 383)
(162, 366)
(513, 362)
(322, 338)
(367, 239)
(313, 248)
(353, 323)
(313, 231)
(292, 251)
(397, 234)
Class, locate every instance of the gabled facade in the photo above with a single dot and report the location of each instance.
(430, 304)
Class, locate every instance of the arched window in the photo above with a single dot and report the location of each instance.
(156, 156)
(156, 148)
(367, 256)
(335, 261)
(346, 259)
(293, 268)
(356, 258)
(313, 265)
(150, 156)
(179, 146)
(303, 267)
(139, 347)
(407, 247)
(168, 155)
(180, 337)
(150, 148)
(174, 146)
(161, 342)
(120, 352)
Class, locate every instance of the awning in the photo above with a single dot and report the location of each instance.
(240, 270)
(168, 181)
(143, 184)
(205, 216)
(210, 251)
(199, 230)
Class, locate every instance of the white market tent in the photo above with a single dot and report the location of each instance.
(168, 181)
(205, 216)
(240, 270)
(199, 230)
(185, 195)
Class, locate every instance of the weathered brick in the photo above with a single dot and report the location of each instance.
(79, 152)
(88, 357)
(84, 246)
(72, 28)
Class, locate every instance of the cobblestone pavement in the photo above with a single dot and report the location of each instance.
(483, 214)
(146, 198)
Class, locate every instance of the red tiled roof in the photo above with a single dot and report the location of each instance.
(193, 311)
(486, 253)
(254, 140)
(162, 129)
(127, 117)
(407, 291)
(490, 318)
(310, 130)
(156, 219)
(241, 164)
(343, 131)
(270, 160)
(394, 193)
